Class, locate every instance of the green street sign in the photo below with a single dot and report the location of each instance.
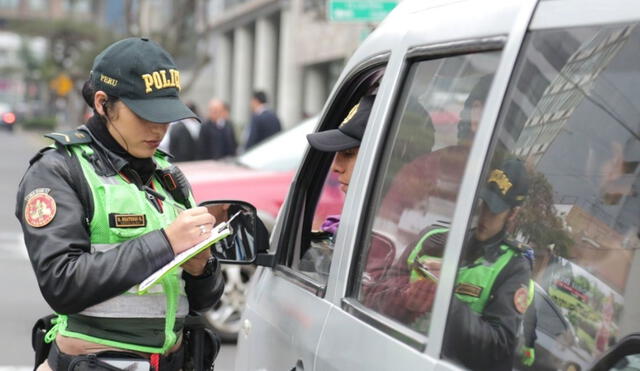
(359, 10)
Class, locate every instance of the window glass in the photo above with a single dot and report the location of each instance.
(418, 181)
(575, 140)
(316, 258)
(549, 320)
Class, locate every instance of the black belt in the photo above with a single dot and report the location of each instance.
(59, 361)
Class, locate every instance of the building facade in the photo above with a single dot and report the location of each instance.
(286, 48)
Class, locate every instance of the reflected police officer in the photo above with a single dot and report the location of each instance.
(492, 289)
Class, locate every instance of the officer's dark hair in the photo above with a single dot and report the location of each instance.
(226, 106)
(260, 96)
(88, 92)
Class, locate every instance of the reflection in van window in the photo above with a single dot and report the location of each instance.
(417, 186)
(572, 117)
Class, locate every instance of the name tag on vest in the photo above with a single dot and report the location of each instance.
(469, 289)
(127, 220)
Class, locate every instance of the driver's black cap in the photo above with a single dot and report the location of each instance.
(351, 130)
(506, 186)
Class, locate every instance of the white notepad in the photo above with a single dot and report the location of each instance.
(217, 233)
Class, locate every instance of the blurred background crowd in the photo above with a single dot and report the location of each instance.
(242, 62)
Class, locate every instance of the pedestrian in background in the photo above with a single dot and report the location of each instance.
(217, 137)
(183, 137)
(264, 122)
(101, 210)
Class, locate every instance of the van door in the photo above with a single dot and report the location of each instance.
(286, 304)
(383, 321)
(571, 115)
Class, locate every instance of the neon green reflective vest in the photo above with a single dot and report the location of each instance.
(157, 309)
(474, 283)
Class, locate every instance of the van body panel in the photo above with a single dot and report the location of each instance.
(555, 14)
(285, 326)
(293, 326)
(347, 336)
(462, 20)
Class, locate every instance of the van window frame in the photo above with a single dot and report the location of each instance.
(348, 302)
(305, 190)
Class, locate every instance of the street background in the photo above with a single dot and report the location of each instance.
(224, 49)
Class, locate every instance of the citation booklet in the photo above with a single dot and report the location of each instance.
(219, 232)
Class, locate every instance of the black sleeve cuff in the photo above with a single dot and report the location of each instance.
(205, 290)
(209, 270)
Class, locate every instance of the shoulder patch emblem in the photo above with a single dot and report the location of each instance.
(40, 208)
(520, 300)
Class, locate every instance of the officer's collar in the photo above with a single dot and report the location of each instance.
(114, 164)
(491, 248)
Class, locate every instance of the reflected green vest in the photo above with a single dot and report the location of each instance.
(474, 283)
(145, 323)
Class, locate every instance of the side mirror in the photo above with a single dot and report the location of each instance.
(247, 236)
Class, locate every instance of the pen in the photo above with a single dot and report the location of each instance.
(222, 225)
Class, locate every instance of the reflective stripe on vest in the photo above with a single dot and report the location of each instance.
(145, 306)
(115, 195)
(473, 283)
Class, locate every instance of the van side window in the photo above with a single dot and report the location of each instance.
(328, 178)
(571, 116)
(417, 184)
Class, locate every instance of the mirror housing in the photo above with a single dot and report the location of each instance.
(248, 234)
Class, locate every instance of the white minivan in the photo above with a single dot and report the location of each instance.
(556, 83)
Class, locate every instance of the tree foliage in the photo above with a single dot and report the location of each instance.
(538, 220)
(72, 44)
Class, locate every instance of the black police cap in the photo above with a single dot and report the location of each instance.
(506, 187)
(351, 130)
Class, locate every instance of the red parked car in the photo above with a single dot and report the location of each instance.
(261, 176)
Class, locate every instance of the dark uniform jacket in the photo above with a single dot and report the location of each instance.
(181, 144)
(479, 342)
(70, 277)
(216, 142)
(262, 126)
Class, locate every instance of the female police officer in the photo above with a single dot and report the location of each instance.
(101, 210)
